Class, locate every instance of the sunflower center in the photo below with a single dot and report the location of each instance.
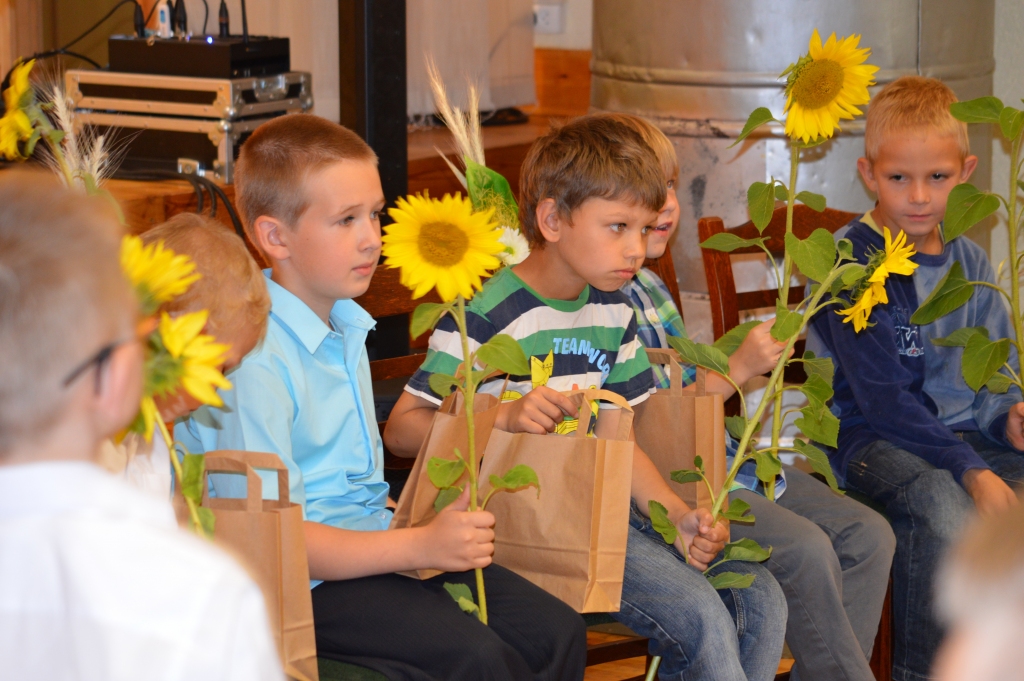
(818, 83)
(442, 243)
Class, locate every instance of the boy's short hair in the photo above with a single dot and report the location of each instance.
(278, 157)
(654, 137)
(912, 102)
(232, 287)
(62, 297)
(589, 157)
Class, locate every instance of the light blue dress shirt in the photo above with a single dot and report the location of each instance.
(304, 394)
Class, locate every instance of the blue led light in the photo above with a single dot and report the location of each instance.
(209, 39)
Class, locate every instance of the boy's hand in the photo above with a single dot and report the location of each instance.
(1015, 426)
(458, 540)
(991, 495)
(702, 537)
(537, 412)
(757, 354)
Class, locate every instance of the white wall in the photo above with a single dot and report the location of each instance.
(579, 20)
(1008, 85)
(312, 27)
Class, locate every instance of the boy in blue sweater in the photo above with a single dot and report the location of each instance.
(913, 435)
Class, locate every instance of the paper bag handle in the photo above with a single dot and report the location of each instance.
(236, 461)
(671, 358)
(589, 394)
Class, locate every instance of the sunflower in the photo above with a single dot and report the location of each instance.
(442, 244)
(826, 85)
(15, 126)
(200, 356)
(158, 274)
(894, 259)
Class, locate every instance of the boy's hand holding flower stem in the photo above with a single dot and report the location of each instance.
(459, 539)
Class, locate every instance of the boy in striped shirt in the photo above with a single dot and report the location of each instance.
(590, 192)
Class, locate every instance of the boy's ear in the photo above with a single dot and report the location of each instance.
(549, 222)
(867, 173)
(969, 165)
(120, 389)
(271, 237)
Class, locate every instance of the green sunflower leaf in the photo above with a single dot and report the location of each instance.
(746, 549)
(738, 512)
(757, 118)
(730, 580)
(959, 338)
(814, 255)
(732, 339)
(966, 206)
(815, 202)
(761, 203)
(724, 241)
(819, 462)
(503, 353)
(445, 497)
(426, 316)
(660, 522)
(982, 359)
(444, 472)
(981, 110)
(952, 292)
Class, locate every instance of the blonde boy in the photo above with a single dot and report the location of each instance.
(913, 436)
(232, 289)
(831, 555)
(591, 191)
(311, 198)
(96, 580)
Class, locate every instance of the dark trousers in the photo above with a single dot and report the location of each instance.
(412, 630)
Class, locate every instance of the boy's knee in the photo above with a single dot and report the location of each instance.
(937, 502)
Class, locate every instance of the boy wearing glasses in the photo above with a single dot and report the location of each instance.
(96, 580)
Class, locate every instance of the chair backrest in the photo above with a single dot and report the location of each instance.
(726, 303)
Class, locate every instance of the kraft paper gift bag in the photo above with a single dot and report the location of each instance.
(673, 427)
(266, 536)
(448, 432)
(570, 540)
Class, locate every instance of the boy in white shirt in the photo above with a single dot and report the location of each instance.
(96, 580)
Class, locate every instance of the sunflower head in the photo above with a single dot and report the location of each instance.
(16, 126)
(893, 259)
(442, 244)
(156, 273)
(199, 356)
(826, 85)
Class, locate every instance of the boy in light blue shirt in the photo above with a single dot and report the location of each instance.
(310, 195)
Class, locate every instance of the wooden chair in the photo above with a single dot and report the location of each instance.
(726, 304)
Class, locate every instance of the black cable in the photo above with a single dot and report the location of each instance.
(196, 181)
(100, 22)
(206, 16)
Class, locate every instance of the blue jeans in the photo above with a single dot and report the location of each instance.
(927, 509)
(700, 633)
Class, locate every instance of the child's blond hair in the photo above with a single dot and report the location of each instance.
(63, 297)
(909, 103)
(275, 162)
(231, 287)
(657, 140)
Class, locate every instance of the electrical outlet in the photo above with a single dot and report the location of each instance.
(549, 18)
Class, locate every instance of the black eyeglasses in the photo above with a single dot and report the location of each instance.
(97, 360)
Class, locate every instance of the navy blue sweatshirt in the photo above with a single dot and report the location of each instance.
(891, 383)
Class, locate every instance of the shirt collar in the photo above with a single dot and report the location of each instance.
(304, 324)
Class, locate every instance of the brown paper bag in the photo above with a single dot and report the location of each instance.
(673, 427)
(266, 536)
(571, 539)
(448, 431)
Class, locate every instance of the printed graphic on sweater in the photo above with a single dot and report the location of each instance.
(908, 340)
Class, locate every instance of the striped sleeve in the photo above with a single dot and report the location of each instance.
(631, 374)
(445, 352)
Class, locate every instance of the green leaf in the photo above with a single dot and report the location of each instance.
(192, 466)
(999, 383)
(981, 110)
(819, 462)
(461, 594)
(445, 497)
(207, 520)
(781, 193)
(684, 476)
(33, 139)
(737, 510)
(845, 249)
(426, 316)
(959, 338)
(854, 274)
(661, 523)
(761, 203)
(817, 390)
(736, 425)
(489, 189)
(813, 201)
(1011, 120)
(953, 291)
(768, 466)
(819, 366)
(503, 353)
(819, 424)
(982, 359)
(966, 206)
(732, 339)
(746, 549)
(814, 255)
(787, 323)
(706, 356)
(516, 479)
(699, 463)
(759, 117)
(730, 580)
(724, 241)
(444, 472)
(442, 384)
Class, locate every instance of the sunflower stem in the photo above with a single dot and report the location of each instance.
(1014, 235)
(179, 476)
(469, 392)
